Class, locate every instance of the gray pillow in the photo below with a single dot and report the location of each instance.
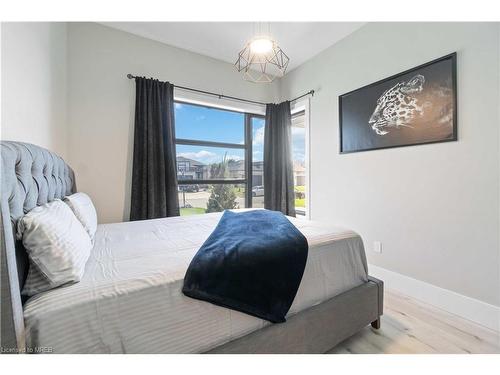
(57, 245)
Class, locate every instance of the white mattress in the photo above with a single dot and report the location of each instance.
(130, 298)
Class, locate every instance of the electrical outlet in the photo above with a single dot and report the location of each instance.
(377, 247)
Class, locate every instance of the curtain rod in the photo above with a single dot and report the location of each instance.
(220, 96)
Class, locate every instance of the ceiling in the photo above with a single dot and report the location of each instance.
(223, 40)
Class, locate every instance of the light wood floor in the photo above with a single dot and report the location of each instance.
(411, 327)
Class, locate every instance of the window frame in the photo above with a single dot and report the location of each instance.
(246, 146)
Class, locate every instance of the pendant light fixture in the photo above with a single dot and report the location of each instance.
(262, 60)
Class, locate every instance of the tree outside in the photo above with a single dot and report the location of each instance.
(222, 196)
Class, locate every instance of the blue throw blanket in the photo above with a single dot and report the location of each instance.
(252, 262)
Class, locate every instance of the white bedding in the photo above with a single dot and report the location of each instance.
(130, 299)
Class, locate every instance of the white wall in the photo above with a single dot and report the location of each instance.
(101, 103)
(34, 84)
(434, 207)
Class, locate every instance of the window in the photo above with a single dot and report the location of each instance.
(215, 158)
(299, 161)
(258, 124)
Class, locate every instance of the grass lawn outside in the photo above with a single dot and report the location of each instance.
(192, 211)
(300, 202)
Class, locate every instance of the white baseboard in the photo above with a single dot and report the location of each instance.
(469, 308)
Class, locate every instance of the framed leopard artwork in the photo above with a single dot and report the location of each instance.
(417, 106)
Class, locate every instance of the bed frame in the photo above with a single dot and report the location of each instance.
(32, 176)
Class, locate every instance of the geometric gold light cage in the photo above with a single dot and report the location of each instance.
(262, 60)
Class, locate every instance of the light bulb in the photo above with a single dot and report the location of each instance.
(261, 45)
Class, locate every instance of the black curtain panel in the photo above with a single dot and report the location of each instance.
(154, 173)
(278, 165)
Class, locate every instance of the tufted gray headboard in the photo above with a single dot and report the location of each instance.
(30, 176)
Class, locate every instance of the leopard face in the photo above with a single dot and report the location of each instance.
(398, 106)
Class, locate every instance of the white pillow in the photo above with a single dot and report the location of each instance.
(57, 245)
(84, 210)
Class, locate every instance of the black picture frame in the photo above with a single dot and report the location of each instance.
(378, 89)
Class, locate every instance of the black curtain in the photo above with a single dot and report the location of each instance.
(278, 166)
(154, 172)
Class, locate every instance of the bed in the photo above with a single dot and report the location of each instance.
(130, 298)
